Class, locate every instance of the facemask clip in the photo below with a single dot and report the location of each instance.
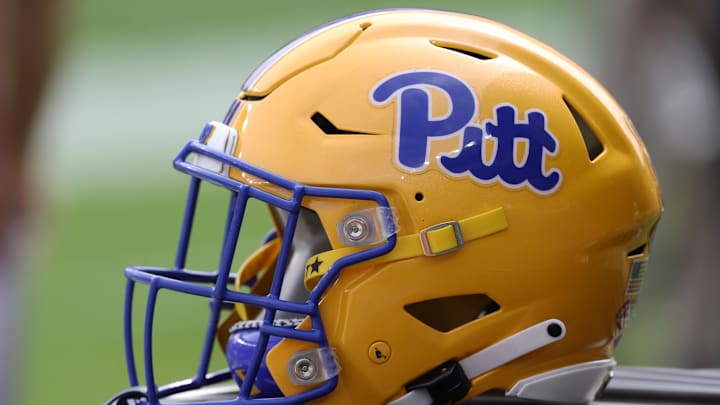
(313, 366)
(368, 226)
(220, 138)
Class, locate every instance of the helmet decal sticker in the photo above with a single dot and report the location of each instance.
(416, 128)
(314, 267)
(415, 125)
(508, 131)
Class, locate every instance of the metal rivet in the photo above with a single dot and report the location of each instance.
(379, 352)
(304, 369)
(356, 228)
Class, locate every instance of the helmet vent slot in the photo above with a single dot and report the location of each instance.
(592, 143)
(448, 313)
(463, 49)
(330, 129)
(248, 97)
(638, 250)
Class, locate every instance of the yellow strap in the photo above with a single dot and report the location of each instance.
(260, 264)
(435, 240)
(262, 260)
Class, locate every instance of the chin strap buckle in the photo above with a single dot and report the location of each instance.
(446, 384)
(441, 239)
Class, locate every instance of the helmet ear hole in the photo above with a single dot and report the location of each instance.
(448, 313)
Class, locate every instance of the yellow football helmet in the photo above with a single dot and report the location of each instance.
(459, 210)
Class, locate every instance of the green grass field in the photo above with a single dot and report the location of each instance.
(135, 80)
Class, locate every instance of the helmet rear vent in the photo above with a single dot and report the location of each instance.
(592, 143)
(638, 250)
(463, 49)
(448, 313)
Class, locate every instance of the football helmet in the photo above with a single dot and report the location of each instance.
(458, 210)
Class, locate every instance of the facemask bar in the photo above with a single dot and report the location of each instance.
(215, 285)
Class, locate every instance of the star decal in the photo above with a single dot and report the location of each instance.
(314, 267)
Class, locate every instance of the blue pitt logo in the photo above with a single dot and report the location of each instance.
(508, 163)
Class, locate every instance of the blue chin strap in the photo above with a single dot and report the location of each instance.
(247, 347)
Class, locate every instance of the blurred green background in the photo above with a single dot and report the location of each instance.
(132, 82)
